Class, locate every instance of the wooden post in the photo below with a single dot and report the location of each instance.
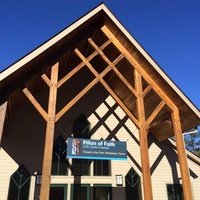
(3, 109)
(187, 191)
(48, 148)
(146, 175)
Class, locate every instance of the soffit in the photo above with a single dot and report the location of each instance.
(77, 36)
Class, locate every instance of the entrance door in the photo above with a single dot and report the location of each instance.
(58, 192)
(102, 192)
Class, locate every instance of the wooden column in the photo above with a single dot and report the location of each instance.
(182, 155)
(48, 148)
(146, 175)
(3, 109)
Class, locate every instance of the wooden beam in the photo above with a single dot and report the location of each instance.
(35, 104)
(126, 83)
(155, 113)
(3, 109)
(120, 103)
(106, 86)
(120, 57)
(137, 66)
(76, 98)
(46, 79)
(99, 51)
(87, 63)
(82, 64)
(146, 174)
(123, 79)
(147, 90)
(81, 94)
(70, 74)
(182, 155)
(49, 138)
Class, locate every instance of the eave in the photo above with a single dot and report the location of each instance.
(49, 52)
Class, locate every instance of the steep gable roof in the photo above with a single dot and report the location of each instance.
(45, 54)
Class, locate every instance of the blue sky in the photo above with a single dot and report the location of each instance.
(168, 30)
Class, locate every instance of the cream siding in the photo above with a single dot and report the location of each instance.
(7, 167)
(195, 181)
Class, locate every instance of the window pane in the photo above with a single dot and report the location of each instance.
(81, 127)
(175, 192)
(58, 192)
(13, 190)
(102, 168)
(102, 192)
(80, 167)
(133, 185)
(80, 192)
(59, 161)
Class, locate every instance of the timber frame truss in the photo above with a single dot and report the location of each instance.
(139, 117)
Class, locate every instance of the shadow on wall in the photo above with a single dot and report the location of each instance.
(26, 130)
(171, 155)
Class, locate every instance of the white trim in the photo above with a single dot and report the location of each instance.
(32, 188)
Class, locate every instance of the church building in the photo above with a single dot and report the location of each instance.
(89, 115)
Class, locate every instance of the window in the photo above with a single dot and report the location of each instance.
(81, 167)
(175, 192)
(59, 162)
(80, 192)
(58, 192)
(102, 192)
(102, 168)
(19, 184)
(81, 129)
(133, 185)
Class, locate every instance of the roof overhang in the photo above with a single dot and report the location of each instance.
(22, 69)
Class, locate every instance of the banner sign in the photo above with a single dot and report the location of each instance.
(96, 149)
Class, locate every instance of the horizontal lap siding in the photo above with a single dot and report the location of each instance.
(161, 174)
(7, 168)
(195, 181)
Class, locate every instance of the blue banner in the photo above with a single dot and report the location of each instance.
(96, 149)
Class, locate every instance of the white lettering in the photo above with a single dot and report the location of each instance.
(109, 144)
(88, 142)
